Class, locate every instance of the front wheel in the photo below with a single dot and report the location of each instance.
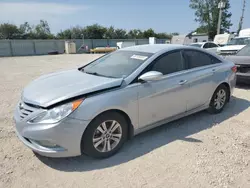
(105, 135)
(219, 99)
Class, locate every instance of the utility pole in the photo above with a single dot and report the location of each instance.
(242, 16)
(221, 6)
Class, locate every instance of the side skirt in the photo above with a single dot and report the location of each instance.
(162, 122)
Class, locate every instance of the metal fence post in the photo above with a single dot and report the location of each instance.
(11, 49)
(34, 47)
(92, 43)
(56, 46)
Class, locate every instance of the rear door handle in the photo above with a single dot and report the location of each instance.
(182, 82)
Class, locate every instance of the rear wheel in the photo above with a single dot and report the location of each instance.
(219, 99)
(105, 135)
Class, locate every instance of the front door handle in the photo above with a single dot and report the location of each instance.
(182, 82)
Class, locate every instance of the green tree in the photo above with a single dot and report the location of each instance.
(72, 33)
(9, 31)
(207, 13)
(163, 36)
(120, 34)
(77, 32)
(110, 33)
(26, 31)
(94, 32)
(149, 33)
(42, 31)
(202, 29)
(135, 34)
(66, 34)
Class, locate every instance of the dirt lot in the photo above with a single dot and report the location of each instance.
(198, 151)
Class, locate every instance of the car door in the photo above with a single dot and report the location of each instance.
(203, 77)
(166, 97)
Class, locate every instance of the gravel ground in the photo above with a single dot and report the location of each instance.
(201, 150)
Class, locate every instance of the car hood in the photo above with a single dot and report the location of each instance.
(231, 47)
(57, 87)
(239, 60)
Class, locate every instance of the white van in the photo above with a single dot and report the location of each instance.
(244, 32)
(223, 39)
(188, 39)
(120, 45)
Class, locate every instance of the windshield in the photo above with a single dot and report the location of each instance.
(244, 51)
(118, 64)
(196, 45)
(239, 41)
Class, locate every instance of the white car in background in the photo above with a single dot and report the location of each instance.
(210, 46)
(234, 46)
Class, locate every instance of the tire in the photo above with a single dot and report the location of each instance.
(95, 143)
(213, 107)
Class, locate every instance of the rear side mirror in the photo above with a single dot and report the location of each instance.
(150, 76)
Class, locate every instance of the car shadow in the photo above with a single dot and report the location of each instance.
(151, 140)
(243, 86)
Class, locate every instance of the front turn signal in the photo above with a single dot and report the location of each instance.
(76, 104)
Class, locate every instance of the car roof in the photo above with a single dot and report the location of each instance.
(203, 42)
(153, 48)
(199, 43)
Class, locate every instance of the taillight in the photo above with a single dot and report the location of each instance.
(234, 68)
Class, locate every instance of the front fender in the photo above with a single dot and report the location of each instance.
(124, 99)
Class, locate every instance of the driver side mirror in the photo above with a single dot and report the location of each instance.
(150, 76)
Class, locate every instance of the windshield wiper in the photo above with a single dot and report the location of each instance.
(93, 73)
(96, 74)
(89, 72)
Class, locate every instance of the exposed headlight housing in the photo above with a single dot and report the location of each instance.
(56, 114)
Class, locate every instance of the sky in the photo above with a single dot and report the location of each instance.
(161, 15)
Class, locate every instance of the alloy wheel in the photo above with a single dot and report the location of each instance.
(107, 136)
(220, 99)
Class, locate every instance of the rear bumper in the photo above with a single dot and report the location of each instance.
(66, 135)
(243, 78)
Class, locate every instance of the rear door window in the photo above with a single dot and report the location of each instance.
(197, 59)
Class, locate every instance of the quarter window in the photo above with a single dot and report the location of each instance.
(169, 63)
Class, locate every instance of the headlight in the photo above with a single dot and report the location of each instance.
(56, 114)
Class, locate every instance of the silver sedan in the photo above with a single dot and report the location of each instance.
(96, 108)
